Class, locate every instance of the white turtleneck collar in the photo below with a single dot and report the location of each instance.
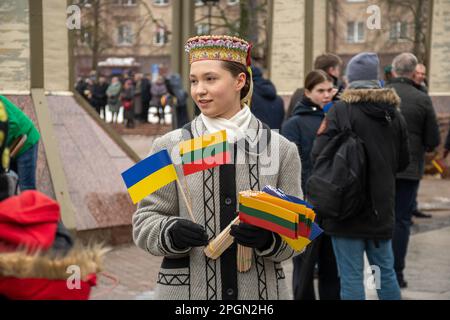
(236, 126)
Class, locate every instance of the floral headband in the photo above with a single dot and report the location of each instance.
(218, 47)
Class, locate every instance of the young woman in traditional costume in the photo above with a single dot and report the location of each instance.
(221, 87)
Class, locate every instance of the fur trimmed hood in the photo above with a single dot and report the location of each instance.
(20, 264)
(382, 96)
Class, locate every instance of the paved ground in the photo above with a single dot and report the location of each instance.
(131, 273)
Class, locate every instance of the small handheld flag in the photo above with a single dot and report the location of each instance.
(439, 165)
(205, 152)
(149, 175)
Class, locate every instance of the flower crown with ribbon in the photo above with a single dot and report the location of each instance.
(224, 48)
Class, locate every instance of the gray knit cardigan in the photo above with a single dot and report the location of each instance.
(265, 158)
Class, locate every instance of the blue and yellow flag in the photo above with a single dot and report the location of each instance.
(149, 175)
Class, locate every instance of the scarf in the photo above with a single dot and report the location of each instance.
(235, 126)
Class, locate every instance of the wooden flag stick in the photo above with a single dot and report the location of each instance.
(224, 240)
(185, 200)
(244, 259)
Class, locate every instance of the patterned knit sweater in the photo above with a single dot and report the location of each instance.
(263, 158)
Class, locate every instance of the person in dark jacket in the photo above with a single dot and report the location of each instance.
(375, 118)
(126, 97)
(158, 90)
(423, 133)
(99, 98)
(331, 64)
(81, 87)
(146, 98)
(301, 129)
(175, 88)
(419, 78)
(266, 105)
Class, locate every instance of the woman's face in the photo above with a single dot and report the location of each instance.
(214, 89)
(321, 94)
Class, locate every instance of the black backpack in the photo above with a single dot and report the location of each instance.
(337, 187)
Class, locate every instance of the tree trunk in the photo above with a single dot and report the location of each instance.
(253, 30)
(95, 35)
(244, 19)
(418, 25)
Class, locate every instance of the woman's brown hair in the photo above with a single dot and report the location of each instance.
(315, 77)
(235, 69)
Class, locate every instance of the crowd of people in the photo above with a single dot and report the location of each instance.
(396, 120)
(391, 121)
(135, 94)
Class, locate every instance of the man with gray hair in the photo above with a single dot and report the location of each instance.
(420, 77)
(423, 133)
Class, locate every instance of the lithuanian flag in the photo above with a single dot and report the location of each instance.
(205, 152)
(267, 215)
(149, 175)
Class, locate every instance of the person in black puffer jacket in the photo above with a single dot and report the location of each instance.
(376, 120)
(301, 129)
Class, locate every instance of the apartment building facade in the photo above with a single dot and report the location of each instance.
(352, 28)
(135, 34)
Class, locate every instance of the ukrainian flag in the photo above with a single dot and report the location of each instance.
(149, 175)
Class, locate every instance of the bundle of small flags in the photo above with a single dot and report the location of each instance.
(273, 210)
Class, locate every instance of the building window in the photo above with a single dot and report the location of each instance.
(399, 30)
(128, 3)
(160, 2)
(125, 3)
(86, 38)
(355, 32)
(232, 2)
(202, 28)
(124, 35)
(160, 37)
